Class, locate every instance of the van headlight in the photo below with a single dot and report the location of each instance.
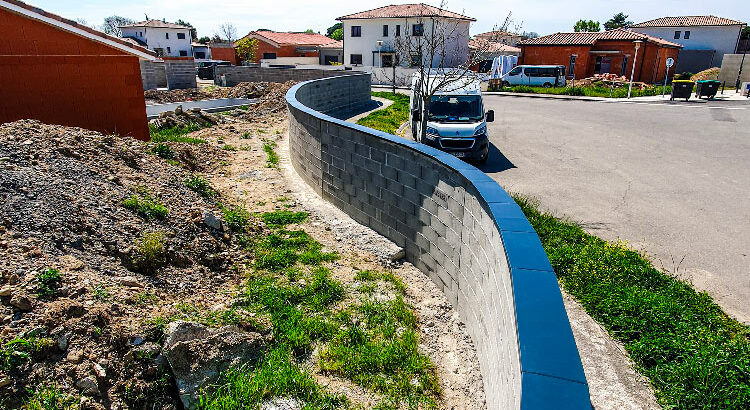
(481, 130)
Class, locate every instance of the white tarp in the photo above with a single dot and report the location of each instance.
(501, 65)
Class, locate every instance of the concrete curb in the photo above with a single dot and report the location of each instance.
(554, 97)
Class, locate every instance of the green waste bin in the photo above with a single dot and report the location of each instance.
(707, 88)
(682, 89)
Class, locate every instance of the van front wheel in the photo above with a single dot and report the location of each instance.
(547, 85)
(506, 84)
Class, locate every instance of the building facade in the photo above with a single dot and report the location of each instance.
(165, 39)
(585, 54)
(372, 38)
(704, 39)
(274, 45)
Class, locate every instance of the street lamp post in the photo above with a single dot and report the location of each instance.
(380, 57)
(635, 60)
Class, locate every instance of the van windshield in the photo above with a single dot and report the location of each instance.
(455, 108)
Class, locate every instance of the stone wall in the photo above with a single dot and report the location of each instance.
(238, 74)
(460, 228)
(180, 72)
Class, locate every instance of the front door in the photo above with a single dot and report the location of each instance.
(603, 65)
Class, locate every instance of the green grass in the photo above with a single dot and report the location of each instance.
(236, 217)
(391, 118)
(19, 351)
(280, 219)
(617, 92)
(163, 151)
(283, 249)
(228, 147)
(49, 397)
(150, 251)
(272, 158)
(693, 353)
(145, 204)
(48, 283)
(200, 185)
(175, 134)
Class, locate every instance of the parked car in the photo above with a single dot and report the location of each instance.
(456, 120)
(535, 76)
(206, 68)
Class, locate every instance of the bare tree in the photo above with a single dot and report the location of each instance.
(228, 32)
(112, 25)
(436, 47)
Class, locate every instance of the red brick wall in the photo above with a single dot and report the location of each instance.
(225, 54)
(282, 51)
(61, 78)
(557, 55)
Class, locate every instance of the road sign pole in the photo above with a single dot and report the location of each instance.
(670, 63)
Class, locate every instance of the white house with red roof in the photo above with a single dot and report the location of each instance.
(370, 36)
(166, 39)
(705, 39)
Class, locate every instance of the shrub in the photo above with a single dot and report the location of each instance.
(48, 283)
(146, 205)
(200, 185)
(150, 251)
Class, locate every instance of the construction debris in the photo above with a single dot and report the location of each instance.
(610, 80)
(182, 118)
(241, 90)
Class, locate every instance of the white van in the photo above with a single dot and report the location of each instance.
(535, 76)
(456, 120)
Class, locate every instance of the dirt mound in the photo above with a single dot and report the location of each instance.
(710, 74)
(85, 220)
(241, 90)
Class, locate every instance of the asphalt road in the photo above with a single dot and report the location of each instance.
(673, 180)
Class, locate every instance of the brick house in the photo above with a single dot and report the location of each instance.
(60, 72)
(224, 51)
(588, 53)
(272, 44)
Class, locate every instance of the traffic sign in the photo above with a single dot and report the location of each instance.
(670, 62)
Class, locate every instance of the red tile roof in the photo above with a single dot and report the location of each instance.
(492, 46)
(300, 39)
(406, 10)
(589, 38)
(688, 21)
(154, 24)
(495, 34)
(125, 45)
(335, 45)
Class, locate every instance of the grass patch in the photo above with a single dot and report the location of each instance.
(272, 158)
(175, 134)
(150, 251)
(606, 92)
(236, 217)
(391, 118)
(283, 249)
(695, 355)
(228, 147)
(48, 283)
(246, 136)
(19, 351)
(163, 151)
(200, 185)
(279, 219)
(145, 204)
(50, 398)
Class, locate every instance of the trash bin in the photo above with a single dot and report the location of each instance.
(707, 88)
(682, 89)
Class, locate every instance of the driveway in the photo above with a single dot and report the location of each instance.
(673, 180)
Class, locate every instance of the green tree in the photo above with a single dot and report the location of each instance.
(204, 40)
(337, 34)
(193, 30)
(333, 28)
(746, 32)
(586, 25)
(617, 21)
(247, 48)
(310, 31)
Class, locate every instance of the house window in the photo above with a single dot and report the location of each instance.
(200, 55)
(385, 30)
(356, 31)
(183, 53)
(687, 34)
(398, 30)
(572, 69)
(159, 52)
(181, 36)
(269, 56)
(416, 60)
(167, 35)
(624, 65)
(169, 50)
(355, 59)
(417, 30)
(677, 34)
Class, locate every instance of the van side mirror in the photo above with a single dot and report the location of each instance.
(416, 115)
(490, 116)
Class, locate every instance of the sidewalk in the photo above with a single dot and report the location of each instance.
(729, 95)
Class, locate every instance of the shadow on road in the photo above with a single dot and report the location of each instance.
(497, 162)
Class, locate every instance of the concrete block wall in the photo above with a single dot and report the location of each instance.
(730, 67)
(153, 75)
(238, 74)
(180, 72)
(460, 228)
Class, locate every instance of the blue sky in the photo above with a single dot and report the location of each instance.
(541, 16)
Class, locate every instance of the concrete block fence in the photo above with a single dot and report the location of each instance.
(180, 72)
(459, 227)
(238, 74)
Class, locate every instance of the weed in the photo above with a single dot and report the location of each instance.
(19, 351)
(280, 219)
(150, 251)
(145, 204)
(163, 151)
(228, 147)
(49, 397)
(144, 298)
(236, 217)
(175, 134)
(391, 118)
(261, 131)
(101, 293)
(48, 283)
(283, 249)
(272, 159)
(246, 135)
(200, 185)
(695, 355)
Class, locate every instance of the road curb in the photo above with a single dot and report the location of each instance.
(552, 97)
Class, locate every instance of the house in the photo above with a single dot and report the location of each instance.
(224, 51)
(201, 51)
(166, 39)
(587, 53)
(501, 37)
(287, 47)
(331, 53)
(370, 36)
(60, 72)
(704, 39)
(489, 50)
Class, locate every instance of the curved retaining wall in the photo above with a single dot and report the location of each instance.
(459, 227)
